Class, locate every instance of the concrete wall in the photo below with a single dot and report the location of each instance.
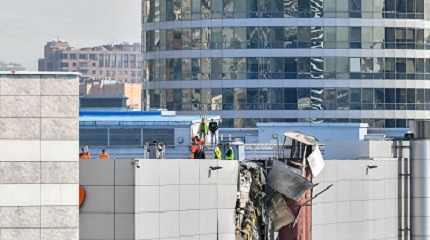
(361, 204)
(39, 156)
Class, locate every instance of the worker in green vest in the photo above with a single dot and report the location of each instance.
(229, 153)
(218, 152)
(203, 129)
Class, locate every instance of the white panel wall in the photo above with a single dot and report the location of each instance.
(361, 204)
(179, 199)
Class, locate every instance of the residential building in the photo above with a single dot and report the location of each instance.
(111, 94)
(10, 66)
(120, 62)
(289, 60)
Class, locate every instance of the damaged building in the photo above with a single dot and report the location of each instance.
(295, 195)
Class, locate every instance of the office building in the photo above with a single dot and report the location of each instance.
(120, 62)
(289, 60)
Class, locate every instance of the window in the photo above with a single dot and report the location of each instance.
(228, 8)
(195, 10)
(366, 37)
(304, 37)
(367, 98)
(342, 68)
(290, 96)
(355, 98)
(390, 98)
(342, 99)
(83, 56)
(330, 9)
(217, 38)
(355, 8)
(304, 99)
(355, 37)
(329, 99)
(379, 98)
(342, 37)
(206, 8)
(217, 8)
(354, 65)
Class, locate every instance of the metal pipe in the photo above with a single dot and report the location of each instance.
(403, 188)
(406, 206)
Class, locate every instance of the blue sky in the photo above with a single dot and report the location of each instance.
(26, 25)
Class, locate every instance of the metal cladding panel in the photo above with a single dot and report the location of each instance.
(284, 180)
(421, 209)
(420, 150)
(420, 227)
(420, 189)
(421, 129)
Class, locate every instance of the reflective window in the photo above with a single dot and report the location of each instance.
(295, 98)
(281, 68)
(287, 37)
(174, 10)
(355, 8)
(329, 99)
(206, 8)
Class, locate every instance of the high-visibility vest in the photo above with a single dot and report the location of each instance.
(104, 156)
(194, 149)
(229, 155)
(204, 128)
(217, 153)
(84, 156)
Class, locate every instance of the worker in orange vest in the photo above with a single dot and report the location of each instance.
(104, 155)
(194, 148)
(84, 155)
(199, 141)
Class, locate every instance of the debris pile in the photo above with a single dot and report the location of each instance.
(276, 195)
(250, 218)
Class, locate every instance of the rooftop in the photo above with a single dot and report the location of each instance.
(39, 73)
(89, 118)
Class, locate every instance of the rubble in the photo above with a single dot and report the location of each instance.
(275, 196)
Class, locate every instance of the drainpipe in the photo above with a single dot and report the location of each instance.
(401, 148)
(420, 181)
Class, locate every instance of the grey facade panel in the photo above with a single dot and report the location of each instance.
(96, 226)
(96, 173)
(99, 199)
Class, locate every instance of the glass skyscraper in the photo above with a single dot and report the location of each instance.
(290, 60)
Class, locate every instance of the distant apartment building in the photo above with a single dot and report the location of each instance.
(110, 94)
(10, 66)
(120, 62)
